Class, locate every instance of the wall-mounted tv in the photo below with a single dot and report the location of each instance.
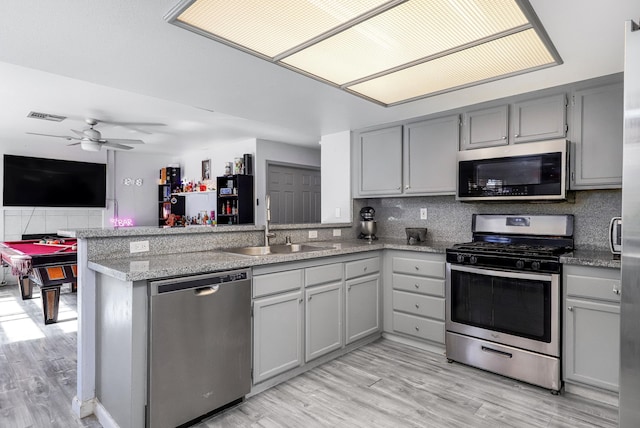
(40, 182)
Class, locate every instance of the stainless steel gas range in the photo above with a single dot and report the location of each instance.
(504, 296)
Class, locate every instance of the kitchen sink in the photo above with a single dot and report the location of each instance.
(276, 249)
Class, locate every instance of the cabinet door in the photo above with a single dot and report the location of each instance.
(486, 128)
(379, 162)
(277, 335)
(592, 343)
(539, 119)
(597, 137)
(430, 156)
(363, 308)
(323, 319)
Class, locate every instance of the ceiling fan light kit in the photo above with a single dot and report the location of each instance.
(386, 51)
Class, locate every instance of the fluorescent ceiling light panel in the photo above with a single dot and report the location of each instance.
(386, 51)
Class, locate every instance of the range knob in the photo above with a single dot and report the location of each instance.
(460, 258)
(535, 265)
(473, 260)
(520, 264)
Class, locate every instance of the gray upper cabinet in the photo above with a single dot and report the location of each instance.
(524, 121)
(486, 128)
(539, 119)
(596, 137)
(379, 162)
(430, 149)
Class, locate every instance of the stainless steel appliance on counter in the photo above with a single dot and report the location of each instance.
(368, 226)
(630, 275)
(529, 171)
(199, 346)
(504, 296)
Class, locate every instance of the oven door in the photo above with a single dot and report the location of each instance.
(519, 309)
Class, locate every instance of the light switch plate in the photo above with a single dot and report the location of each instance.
(337, 232)
(313, 234)
(423, 213)
(138, 246)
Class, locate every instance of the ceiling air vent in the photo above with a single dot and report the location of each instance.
(46, 116)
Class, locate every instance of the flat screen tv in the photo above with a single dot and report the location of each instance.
(40, 182)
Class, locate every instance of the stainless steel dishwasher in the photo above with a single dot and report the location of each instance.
(199, 345)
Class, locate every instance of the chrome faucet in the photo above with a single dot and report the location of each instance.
(268, 234)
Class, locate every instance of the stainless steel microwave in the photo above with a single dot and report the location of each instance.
(527, 172)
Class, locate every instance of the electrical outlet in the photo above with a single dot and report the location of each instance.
(337, 232)
(313, 234)
(423, 213)
(138, 246)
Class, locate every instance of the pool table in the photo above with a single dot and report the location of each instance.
(49, 265)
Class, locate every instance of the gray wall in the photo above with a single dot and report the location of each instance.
(450, 221)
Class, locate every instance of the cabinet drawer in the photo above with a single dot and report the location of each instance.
(418, 267)
(593, 288)
(422, 328)
(322, 274)
(276, 282)
(418, 284)
(416, 304)
(362, 267)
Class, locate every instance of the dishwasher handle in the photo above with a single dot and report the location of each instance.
(206, 291)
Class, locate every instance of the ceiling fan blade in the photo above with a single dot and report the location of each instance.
(79, 133)
(122, 141)
(116, 146)
(115, 122)
(66, 137)
(74, 144)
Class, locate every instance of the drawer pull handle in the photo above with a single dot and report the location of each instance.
(310, 298)
(365, 268)
(417, 306)
(206, 291)
(416, 285)
(495, 351)
(417, 268)
(616, 291)
(417, 328)
(570, 308)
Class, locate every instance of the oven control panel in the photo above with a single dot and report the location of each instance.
(510, 262)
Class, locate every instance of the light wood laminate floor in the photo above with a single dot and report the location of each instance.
(384, 384)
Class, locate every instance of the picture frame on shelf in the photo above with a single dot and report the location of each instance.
(206, 169)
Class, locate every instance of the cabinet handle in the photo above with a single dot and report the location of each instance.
(616, 291)
(365, 268)
(504, 137)
(417, 328)
(399, 187)
(300, 300)
(517, 135)
(417, 306)
(417, 268)
(570, 308)
(310, 298)
(416, 285)
(406, 187)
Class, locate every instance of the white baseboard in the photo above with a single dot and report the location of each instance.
(104, 417)
(83, 409)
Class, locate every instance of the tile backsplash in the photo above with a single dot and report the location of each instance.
(450, 221)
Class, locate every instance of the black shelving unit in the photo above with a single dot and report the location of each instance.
(235, 199)
(168, 203)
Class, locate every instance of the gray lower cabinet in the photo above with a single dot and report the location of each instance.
(417, 293)
(323, 310)
(362, 298)
(596, 137)
(277, 323)
(592, 326)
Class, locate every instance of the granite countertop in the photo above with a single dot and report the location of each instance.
(160, 266)
(595, 258)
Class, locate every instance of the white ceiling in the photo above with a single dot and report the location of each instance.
(119, 60)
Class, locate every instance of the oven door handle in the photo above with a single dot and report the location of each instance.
(502, 273)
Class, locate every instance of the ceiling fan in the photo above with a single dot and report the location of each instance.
(91, 139)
